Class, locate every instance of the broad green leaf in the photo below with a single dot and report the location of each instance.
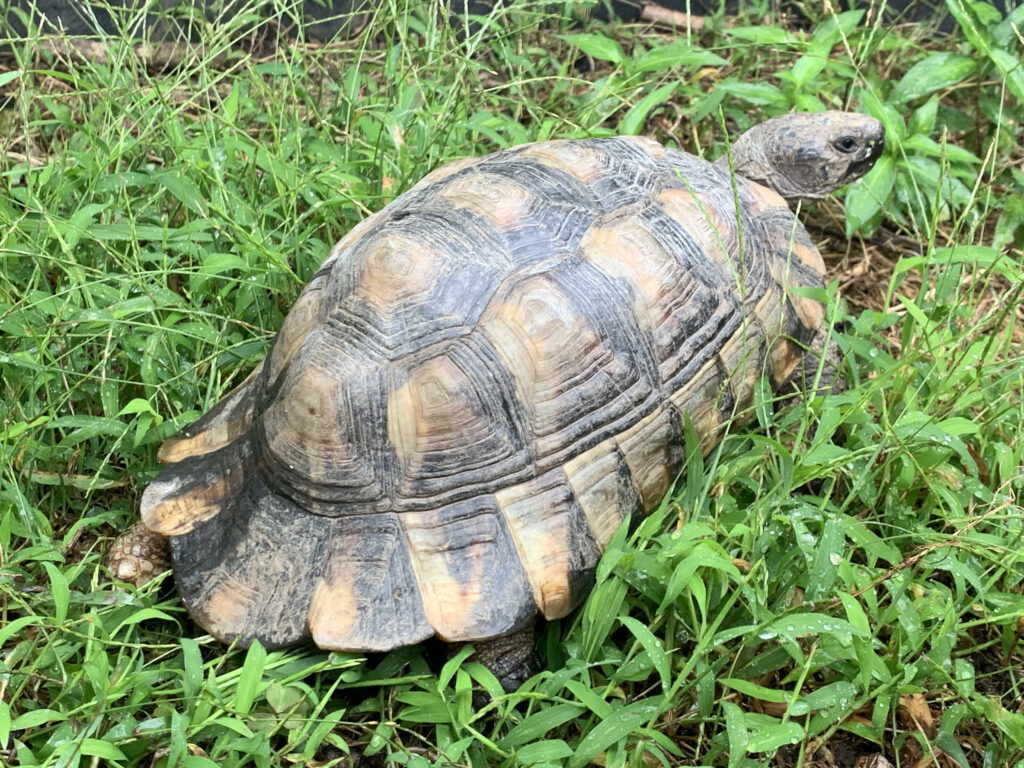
(855, 613)
(424, 707)
(835, 28)
(928, 146)
(9, 77)
(144, 614)
(593, 700)
(755, 691)
(839, 694)
(198, 761)
(540, 723)
(634, 119)
(597, 46)
(1012, 70)
(1010, 723)
(250, 677)
(754, 93)
(979, 256)
(543, 751)
(891, 117)
(137, 405)
(824, 454)
(219, 263)
(679, 53)
(450, 666)
(806, 68)
(35, 718)
(827, 558)
(803, 624)
(736, 731)
(617, 726)
(767, 733)
(81, 221)
(1009, 224)
(184, 189)
(957, 425)
(60, 591)
(870, 194)
(1009, 66)
(654, 648)
(192, 673)
(922, 121)
(767, 35)
(938, 71)
(12, 628)
(103, 749)
(282, 698)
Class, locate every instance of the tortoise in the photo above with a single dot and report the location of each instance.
(483, 380)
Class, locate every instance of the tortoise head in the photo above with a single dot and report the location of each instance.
(806, 156)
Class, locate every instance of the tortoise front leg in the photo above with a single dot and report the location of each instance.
(822, 347)
(139, 555)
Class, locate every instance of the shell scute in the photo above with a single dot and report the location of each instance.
(580, 363)
(469, 574)
(368, 597)
(456, 425)
(239, 570)
(320, 438)
(603, 485)
(554, 542)
(419, 279)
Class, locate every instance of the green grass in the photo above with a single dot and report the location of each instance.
(849, 570)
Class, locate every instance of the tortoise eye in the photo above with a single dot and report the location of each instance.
(846, 144)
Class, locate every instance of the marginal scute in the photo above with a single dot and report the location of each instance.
(227, 605)
(702, 400)
(603, 486)
(227, 421)
(194, 490)
(469, 574)
(553, 539)
(744, 357)
(368, 598)
(653, 452)
(249, 573)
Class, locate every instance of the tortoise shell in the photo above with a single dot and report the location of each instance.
(481, 382)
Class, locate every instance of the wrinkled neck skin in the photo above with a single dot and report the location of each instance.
(750, 160)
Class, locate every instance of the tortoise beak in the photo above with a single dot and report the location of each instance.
(873, 149)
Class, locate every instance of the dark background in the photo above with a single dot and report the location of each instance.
(325, 19)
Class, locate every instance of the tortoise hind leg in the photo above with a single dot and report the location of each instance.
(511, 658)
(138, 555)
